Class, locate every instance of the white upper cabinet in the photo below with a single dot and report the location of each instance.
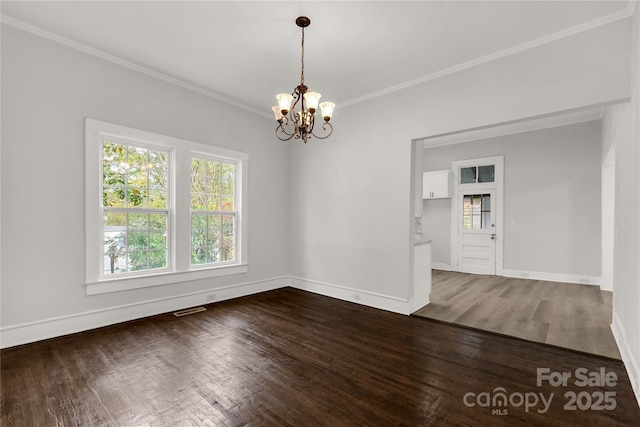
(436, 185)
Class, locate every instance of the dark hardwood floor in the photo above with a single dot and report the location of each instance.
(292, 358)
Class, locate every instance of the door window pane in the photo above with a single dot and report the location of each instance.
(476, 211)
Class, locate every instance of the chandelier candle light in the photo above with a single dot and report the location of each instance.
(299, 124)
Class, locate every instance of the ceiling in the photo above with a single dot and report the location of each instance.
(244, 52)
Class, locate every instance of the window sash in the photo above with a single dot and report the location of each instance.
(126, 252)
(210, 243)
(125, 249)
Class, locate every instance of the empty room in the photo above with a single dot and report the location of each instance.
(182, 243)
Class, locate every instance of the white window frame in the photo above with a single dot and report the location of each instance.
(179, 268)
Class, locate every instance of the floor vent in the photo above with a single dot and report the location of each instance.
(189, 311)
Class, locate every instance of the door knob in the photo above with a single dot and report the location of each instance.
(493, 237)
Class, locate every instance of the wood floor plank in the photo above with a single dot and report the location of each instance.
(292, 358)
(569, 315)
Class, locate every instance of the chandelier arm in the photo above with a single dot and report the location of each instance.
(324, 127)
(282, 127)
(292, 113)
(283, 131)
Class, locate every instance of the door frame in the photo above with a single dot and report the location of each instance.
(498, 186)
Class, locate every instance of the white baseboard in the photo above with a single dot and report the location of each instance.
(552, 277)
(358, 296)
(54, 327)
(630, 363)
(440, 266)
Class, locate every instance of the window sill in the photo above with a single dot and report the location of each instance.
(137, 282)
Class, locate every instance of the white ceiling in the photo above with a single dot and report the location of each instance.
(246, 52)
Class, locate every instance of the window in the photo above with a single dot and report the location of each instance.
(160, 210)
(477, 174)
(212, 211)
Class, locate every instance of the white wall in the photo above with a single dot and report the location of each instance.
(351, 205)
(551, 190)
(47, 91)
(626, 286)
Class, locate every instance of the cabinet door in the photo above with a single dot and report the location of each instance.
(427, 186)
(441, 185)
(436, 185)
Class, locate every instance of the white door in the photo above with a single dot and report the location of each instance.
(477, 231)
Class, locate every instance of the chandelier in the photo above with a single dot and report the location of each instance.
(300, 124)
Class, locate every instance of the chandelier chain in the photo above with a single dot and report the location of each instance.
(302, 68)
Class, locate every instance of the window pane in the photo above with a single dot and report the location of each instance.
(157, 241)
(213, 186)
(227, 204)
(138, 220)
(198, 167)
(214, 223)
(115, 260)
(476, 211)
(158, 221)
(137, 240)
(115, 221)
(214, 235)
(198, 201)
(198, 238)
(113, 174)
(199, 255)
(468, 175)
(198, 221)
(114, 197)
(228, 238)
(213, 202)
(486, 173)
(138, 163)
(213, 253)
(157, 259)
(114, 242)
(228, 171)
(138, 260)
(198, 184)
(213, 169)
(157, 199)
(158, 170)
(136, 197)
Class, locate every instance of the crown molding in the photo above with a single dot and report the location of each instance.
(577, 29)
(126, 63)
